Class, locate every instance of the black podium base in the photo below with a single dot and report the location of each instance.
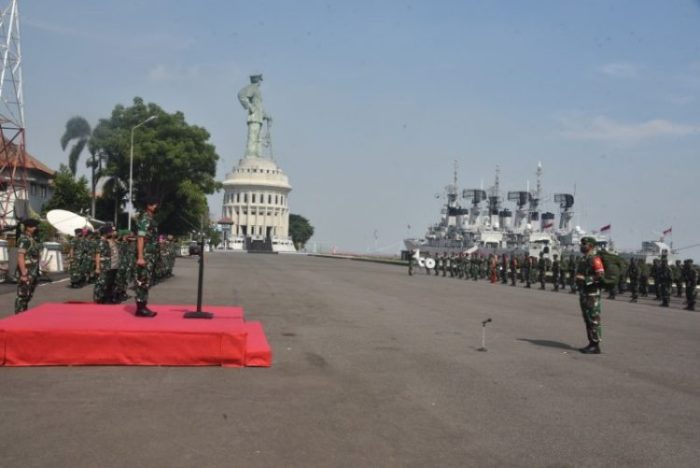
(198, 315)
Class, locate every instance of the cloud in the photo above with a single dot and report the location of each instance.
(602, 128)
(620, 70)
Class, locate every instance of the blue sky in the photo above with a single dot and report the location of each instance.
(373, 101)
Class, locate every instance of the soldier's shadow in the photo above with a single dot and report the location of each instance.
(548, 343)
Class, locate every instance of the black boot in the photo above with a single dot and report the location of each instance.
(143, 311)
(592, 348)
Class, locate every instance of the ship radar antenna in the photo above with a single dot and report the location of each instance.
(454, 178)
(538, 193)
(496, 190)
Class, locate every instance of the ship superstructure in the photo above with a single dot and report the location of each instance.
(489, 226)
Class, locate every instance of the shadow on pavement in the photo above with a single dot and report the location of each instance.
(548, 343)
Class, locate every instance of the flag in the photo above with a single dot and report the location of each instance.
(606, 228)
(668, 231)
(548, 225)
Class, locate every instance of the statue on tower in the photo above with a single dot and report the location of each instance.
(251, 100)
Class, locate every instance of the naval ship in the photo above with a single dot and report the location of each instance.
(487, 225)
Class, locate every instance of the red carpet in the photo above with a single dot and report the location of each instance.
(55, 334)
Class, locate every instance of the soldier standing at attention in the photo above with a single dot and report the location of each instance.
(573, 267)
(438, 263)
(75, 276)
(633, 274)
(563, 268)
(445, 264)
(145, 251)
(643, 278)
(504, 269)
(28, 256)
(525, 270)
(677, 273)
(556, 270)
(411, 254)
(588, 281)
(665, 281)
(107, 262)
(513, 269)
(690, 275)
(655, 276)
(542, 270)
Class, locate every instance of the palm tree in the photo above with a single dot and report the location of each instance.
(77, 129)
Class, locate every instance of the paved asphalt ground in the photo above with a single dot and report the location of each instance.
(374, 368)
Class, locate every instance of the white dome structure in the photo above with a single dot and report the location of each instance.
(256, 206)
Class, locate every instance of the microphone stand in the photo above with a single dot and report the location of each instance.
(199, 313)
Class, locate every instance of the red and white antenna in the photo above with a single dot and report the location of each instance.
(13, 160)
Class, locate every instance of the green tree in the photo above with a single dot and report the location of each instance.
(300, 230)
(68, 193)
(77, 130)
(173, 161)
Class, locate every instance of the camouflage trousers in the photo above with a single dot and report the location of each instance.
(121, 281)
(691, 293)
(634, 287)
(142, 283)
(76, 274)
(590, 309)
(664, 289)
(25, 291)
(104, 287)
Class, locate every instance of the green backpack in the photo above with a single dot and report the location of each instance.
(615, 266)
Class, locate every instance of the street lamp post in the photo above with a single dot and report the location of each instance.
(131, 169)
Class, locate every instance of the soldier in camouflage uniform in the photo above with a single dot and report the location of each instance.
(504, 269)
(513, 269)
(588, 279)
(655, 276)
(563, 268)
(677, 274)
(145, 252)
(643, 278)
(556, 270)
(526, 271)
(121, 281)
(76, 277)
(28, 268)
(542, 270)
(633, 275)
(107, 264)
(665, 281)
(690, 276)
(411, 261)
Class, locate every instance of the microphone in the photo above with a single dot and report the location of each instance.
(488, 320)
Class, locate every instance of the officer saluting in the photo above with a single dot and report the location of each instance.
(146, 230)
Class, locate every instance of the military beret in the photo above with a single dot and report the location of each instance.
(107, 229)
(151, 200)
(589, 240)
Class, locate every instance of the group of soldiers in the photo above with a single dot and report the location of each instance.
(107, 259)
(637, 276)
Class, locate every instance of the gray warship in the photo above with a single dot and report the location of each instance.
(487, 225)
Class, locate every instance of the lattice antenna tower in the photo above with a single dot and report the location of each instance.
(13, 176)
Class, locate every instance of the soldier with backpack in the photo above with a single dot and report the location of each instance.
(589, 279)
(665, 281)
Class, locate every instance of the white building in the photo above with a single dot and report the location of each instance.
(255, 209)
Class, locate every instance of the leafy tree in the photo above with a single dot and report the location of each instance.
(77, 130)
(300, 229)
(68, 193)
(172, 160)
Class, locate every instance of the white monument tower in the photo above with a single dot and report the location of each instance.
(255, 192)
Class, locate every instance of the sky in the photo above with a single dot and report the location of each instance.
(374, 101)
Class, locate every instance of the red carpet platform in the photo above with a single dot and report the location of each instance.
(55, 334)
